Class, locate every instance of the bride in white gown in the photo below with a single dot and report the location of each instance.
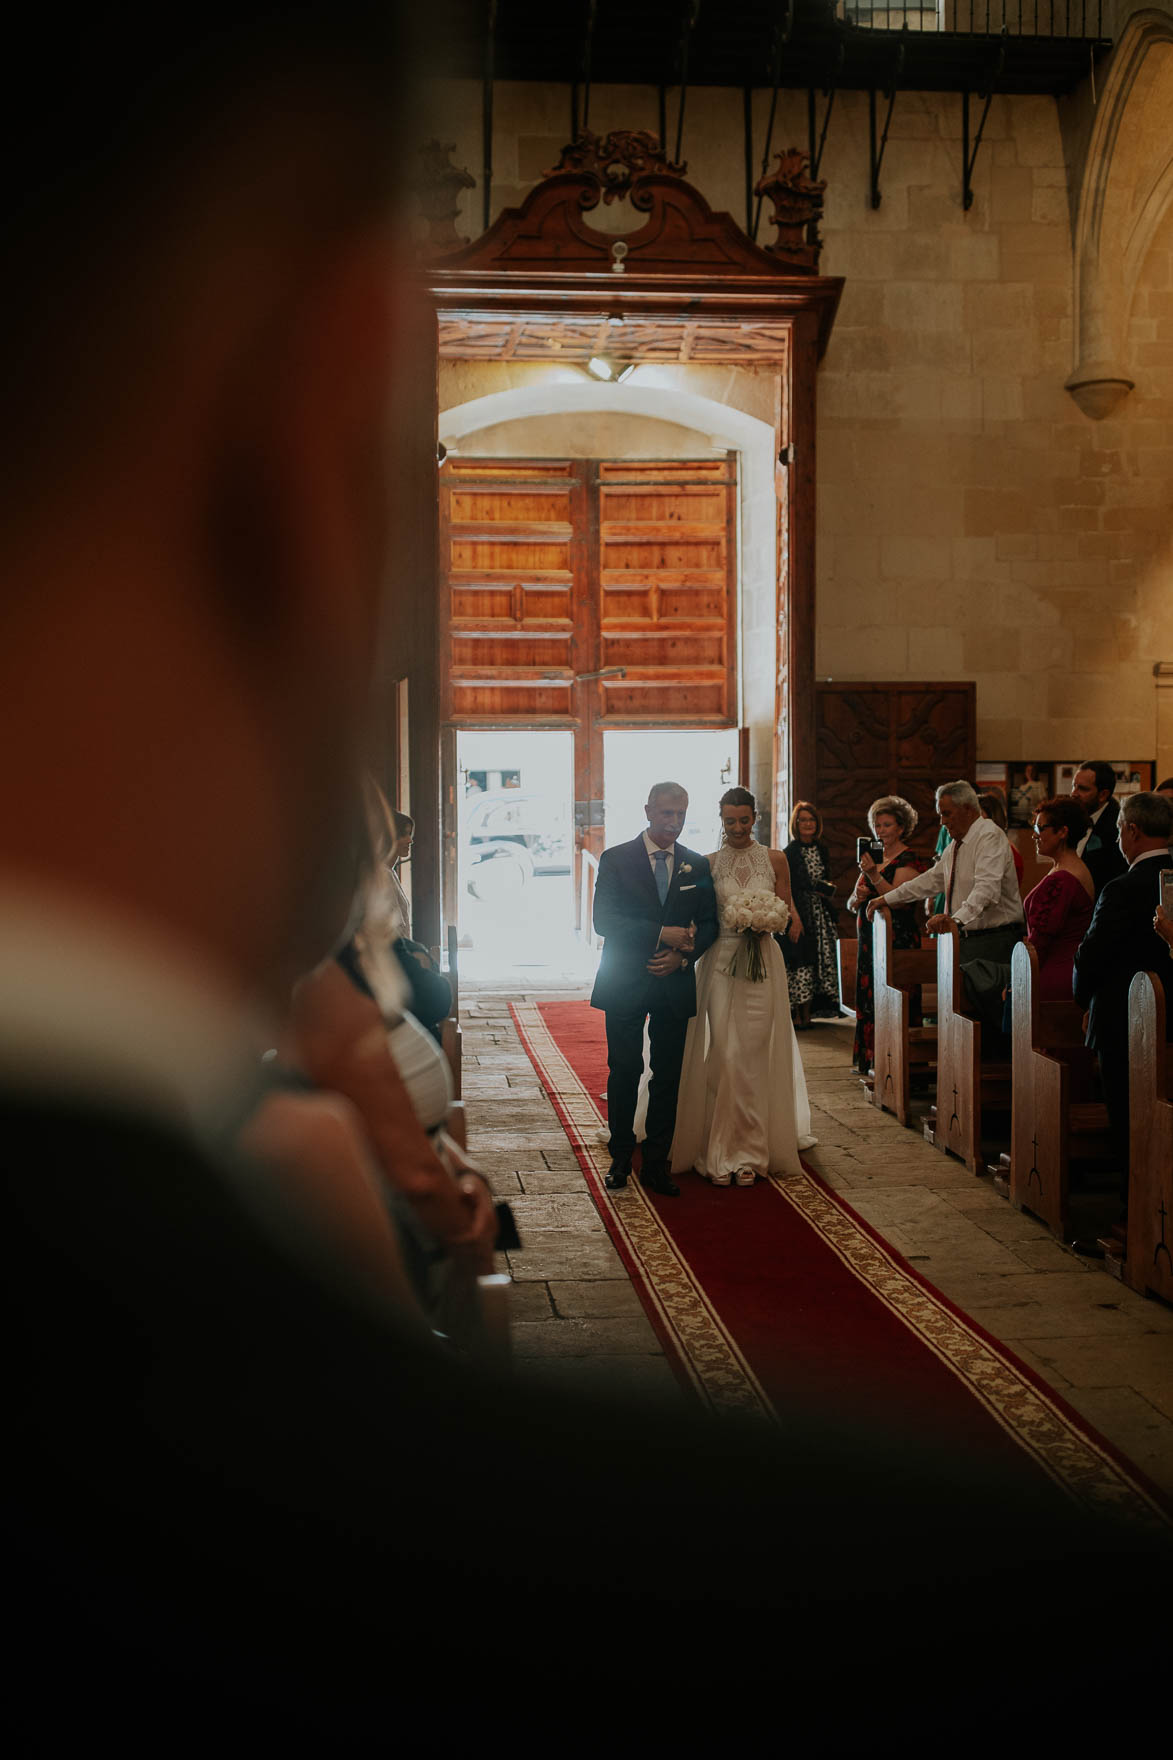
(743, 1106)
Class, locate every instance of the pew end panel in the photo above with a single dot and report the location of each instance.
(900, 1047)
(847, 949)
(1041, 1113)
(966, 1088)
(451, 1037)
(1148, 1262)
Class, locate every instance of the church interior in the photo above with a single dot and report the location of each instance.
(804, 421)
(586, 963)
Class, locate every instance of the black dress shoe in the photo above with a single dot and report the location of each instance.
(617, 1175)
(658, 1179)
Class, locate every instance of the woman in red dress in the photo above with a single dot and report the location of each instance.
(1059, 909)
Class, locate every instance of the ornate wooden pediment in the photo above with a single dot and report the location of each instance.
(680, 233)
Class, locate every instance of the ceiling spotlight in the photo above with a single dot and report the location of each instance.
(599, 368)
(627, 371)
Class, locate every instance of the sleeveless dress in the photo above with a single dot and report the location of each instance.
(743, 1101)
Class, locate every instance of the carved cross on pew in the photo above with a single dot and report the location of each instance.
(954, 1120)
(888, 1082)
(1161, 1247)
(1034, 1166)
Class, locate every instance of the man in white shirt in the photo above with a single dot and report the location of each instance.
(1092, 786)
(975, 873)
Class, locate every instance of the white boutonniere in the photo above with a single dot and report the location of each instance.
(686, 868)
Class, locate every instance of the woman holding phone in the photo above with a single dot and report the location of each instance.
(884, 863)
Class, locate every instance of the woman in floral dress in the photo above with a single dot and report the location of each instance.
(812, 964)
(892, 821)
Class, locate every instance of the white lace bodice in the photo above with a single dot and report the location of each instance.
(739, 870)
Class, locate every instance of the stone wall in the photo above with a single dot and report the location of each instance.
(973, 522)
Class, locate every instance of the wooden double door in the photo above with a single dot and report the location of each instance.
(582, 594)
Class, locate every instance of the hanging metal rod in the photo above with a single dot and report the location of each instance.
(582, 74)
(829, 90)
(487, 106)
(779, 37)
(692, 13)
(970, 159)
(890, 91)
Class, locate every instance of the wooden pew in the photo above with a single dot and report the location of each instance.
(900, 1048)
(1148, 1264)
(847, 949)
(967, 1087)
(451, 1037)
(1048, 1129)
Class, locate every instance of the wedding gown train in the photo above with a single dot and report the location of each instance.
(743, 1100)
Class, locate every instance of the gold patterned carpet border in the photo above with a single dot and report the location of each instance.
(705, 1352)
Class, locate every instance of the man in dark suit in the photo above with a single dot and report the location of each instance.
(657, 912)
(1120, 942)
(1092, 786)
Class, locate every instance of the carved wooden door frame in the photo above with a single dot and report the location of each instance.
(686, 284)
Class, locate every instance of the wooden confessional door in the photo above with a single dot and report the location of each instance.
(583, 594)
(876, 739)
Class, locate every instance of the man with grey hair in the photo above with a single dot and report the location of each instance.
(1120, 942)
(976, 874)
(657, 912)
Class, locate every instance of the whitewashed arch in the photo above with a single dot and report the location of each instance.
(730, 429)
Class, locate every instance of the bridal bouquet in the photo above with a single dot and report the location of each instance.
(753, 914)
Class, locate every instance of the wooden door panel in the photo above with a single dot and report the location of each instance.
(878, 739)
(526, 507)
(932, 731)
(510, 556)
(525, 539)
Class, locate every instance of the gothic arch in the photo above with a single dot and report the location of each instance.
(1126, 192)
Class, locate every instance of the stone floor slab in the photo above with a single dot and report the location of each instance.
(628, 1335)
(595, 1301)
(560, 1254)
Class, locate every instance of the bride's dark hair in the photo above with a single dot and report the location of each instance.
(738, 797)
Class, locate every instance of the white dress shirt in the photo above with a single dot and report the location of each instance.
(654, 850)
(1096, 816)
(984, 894)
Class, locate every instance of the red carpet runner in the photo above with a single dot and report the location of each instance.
(780, 1292)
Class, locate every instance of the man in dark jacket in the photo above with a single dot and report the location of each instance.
(1120, 942)
(1092, 787)
(655, 908)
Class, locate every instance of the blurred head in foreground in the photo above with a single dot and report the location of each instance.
(198, 357)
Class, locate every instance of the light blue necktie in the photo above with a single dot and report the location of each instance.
(661, 860)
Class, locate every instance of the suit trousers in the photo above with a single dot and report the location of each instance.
(625, 1062)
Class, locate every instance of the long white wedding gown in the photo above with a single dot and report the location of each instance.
(743, 1101)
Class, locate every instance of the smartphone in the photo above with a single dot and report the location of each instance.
(1167, 890)
(868, 846)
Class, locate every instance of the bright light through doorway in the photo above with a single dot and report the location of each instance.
(703, 761)
(515, 868)
(517, 906)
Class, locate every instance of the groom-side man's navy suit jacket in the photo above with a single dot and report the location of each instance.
(629, 916)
